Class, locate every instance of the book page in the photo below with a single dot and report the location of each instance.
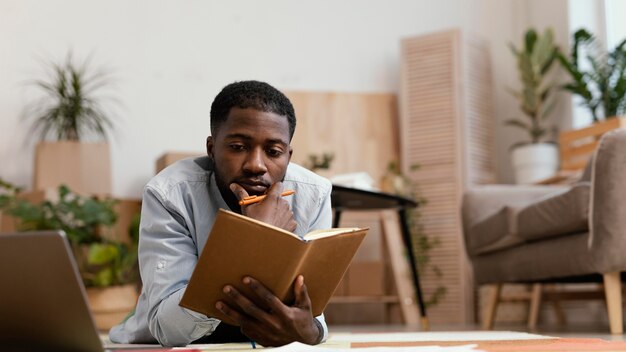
(313, 235)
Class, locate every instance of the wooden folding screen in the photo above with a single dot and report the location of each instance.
(446, 126)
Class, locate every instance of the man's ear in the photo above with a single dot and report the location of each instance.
(209, 146)
(290, 152)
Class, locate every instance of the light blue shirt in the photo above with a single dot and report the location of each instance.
(178, 211)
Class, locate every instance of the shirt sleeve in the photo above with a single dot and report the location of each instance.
(167, 257)
(323, 220)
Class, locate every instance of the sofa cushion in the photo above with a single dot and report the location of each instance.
(553, 215)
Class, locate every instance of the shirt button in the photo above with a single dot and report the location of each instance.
(160, 265)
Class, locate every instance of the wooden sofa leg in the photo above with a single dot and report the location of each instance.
(535, 303)
(613, 293)
(493, 296)
(558, 310)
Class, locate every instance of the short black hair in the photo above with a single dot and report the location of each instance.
(251, 94)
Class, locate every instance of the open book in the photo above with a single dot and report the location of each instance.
(240, 246)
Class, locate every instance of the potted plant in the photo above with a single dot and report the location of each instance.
(535, 158)
(320, 164)
(602, 84)
(108, 266)
(69, 112)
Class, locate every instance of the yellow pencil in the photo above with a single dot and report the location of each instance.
(256, 199)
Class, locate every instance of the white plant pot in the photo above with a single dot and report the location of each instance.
(534, 162)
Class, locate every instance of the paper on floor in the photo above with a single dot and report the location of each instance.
(300, 347)
(434, 336)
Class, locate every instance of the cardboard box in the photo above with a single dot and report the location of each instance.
(126, 209)
(170, 157)
(84, 167)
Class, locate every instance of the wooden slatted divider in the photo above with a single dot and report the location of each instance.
(447, 127)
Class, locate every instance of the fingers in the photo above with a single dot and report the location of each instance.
(303, 300)
(238, 191)
(229, 312)
(275, 191)
(247, 306)
(273, 303)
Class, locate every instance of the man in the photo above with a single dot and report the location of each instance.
(248, 153)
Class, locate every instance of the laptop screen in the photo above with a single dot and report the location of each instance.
(42, 300)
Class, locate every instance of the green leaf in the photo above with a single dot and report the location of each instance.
(529, 40)
(543, 51)
(100, 254)
(103, 278)
(517, 123)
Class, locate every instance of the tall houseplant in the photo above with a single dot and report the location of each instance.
(535, 159)
(69, 111)
(601, 82)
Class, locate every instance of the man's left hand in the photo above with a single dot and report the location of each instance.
(280, 325)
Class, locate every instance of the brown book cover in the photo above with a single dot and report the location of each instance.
(240, 246)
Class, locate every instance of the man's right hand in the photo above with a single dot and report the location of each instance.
(273, 210)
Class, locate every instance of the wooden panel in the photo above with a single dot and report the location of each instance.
(447, 127)
(360, 129)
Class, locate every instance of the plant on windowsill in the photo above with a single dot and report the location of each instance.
(396, 182)
(108, 267)
(599, 81)
(602, 85)
(68, 112)
(535, 159)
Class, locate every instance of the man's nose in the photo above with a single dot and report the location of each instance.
(255, 162)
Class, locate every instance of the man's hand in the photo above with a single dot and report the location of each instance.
(273, 210)
(281, 324)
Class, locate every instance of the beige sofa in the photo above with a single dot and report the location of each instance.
(530, 234)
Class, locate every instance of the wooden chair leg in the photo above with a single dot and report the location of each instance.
(535, 303)
(493, 296)
(613, 293)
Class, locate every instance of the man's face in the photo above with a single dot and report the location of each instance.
(251, 148)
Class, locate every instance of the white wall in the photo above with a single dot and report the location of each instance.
(170, 58)
(505, 21)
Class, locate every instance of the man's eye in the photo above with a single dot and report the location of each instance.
(237, 147)
(273, 152)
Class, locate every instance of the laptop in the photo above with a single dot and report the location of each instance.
(43, 304)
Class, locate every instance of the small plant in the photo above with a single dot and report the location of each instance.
(534, 62)
(102, 262)
(70, 108)
(317, 162)
(602, 85)
(395, 181)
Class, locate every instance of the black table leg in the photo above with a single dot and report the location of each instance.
(336, 218)
(408, 242)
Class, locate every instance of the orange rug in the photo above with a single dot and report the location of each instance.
(548, 345)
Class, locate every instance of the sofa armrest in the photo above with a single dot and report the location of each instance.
(483, 202)
(607, 220)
